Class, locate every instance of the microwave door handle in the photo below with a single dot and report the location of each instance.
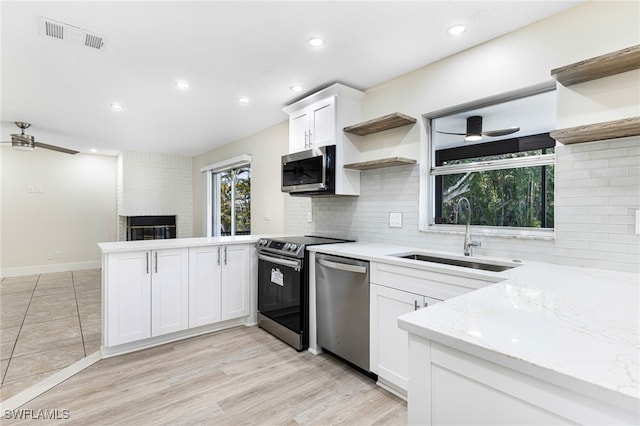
(343, 266)
(284, 262)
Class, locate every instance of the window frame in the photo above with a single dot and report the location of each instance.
(427, 197)
(211, 174)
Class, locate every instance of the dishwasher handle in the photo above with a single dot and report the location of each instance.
(343, 266)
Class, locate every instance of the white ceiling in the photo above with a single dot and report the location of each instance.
(224, 49)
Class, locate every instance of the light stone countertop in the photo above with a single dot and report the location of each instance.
(575, 327)
(124, 246)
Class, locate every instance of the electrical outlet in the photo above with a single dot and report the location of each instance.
(309, 217)
(266, 216)
(39, 189)
(395, 220)
(49, 256)
(31, 189)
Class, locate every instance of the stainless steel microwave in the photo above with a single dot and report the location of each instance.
(310, 172)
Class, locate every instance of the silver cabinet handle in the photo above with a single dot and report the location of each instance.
(218, 255)
(147, 262)
(310, 142)
(225, 255)
(156, 253)
(343, 266)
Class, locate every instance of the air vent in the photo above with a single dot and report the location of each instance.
(70, 34)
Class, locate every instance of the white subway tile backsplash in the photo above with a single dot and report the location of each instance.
(597, 193)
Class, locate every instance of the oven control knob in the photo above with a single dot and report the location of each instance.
(286, 246)
(262, 242)
(293, 246)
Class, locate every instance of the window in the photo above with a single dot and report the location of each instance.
(508, 179)
(508, 183)
(228, 196)
(232, 202)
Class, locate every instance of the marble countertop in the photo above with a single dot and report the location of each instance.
(576, 327)
(122, 246)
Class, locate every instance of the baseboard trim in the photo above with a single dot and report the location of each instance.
(55, 379)
(46, 269)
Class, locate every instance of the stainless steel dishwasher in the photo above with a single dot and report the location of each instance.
(342, 307)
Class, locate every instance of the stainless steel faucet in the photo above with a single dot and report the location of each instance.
(468, 242)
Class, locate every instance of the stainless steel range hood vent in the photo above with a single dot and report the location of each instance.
(69, 33)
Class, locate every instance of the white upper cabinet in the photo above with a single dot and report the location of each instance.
(313, 126)
(318, 120)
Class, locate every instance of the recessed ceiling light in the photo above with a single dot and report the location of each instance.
(181, 84)
(316, 41)
(117, 107)
(456, 29)
(243, 100)
(296, 88)
(93, 150)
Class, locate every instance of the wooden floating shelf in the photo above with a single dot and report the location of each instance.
(379, 124)
(379, 164)
(601, 66)
(598, 131)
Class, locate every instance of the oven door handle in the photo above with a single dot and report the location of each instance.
(284, 262)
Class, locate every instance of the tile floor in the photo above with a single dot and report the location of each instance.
(47, 323)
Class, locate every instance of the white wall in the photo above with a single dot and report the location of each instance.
(597, 183)
(156, 184)
(75, 210)
(266, 148)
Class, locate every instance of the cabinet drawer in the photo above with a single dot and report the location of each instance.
(439, 285)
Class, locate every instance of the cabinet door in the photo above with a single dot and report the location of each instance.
(235, 281)
(169, 291)
(204, 285)
(299, 131)
(128, 315)
(393, 343)
(323, 123)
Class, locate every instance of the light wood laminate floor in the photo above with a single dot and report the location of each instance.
(47, 322)
(237, 376)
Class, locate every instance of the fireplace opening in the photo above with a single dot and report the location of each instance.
(150, 227)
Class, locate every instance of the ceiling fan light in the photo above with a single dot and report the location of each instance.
(20, 146)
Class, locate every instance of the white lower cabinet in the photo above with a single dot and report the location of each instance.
(204, 285)
(390, 344)
(219, 283)
(147, 294)
(235, 283)
(152, 293)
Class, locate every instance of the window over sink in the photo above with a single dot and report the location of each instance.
(498, 154)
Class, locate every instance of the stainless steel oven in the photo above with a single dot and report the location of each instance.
(283, 287)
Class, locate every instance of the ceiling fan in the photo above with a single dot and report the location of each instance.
(474, 130)
(26, 142)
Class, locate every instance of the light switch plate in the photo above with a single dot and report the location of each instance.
(395, 220)
(309, 217)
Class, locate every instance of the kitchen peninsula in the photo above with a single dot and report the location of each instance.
(158, 291)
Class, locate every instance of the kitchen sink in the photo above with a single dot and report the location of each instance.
(474, 264)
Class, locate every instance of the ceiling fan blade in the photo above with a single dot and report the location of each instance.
(450, 133)
(501, 132)
(56, 148)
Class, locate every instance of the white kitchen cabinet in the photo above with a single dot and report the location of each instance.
(318, 119)
(313, 126)
(395, 291)
(219, 283)
(204, 285)
(235, 281)
(390, 348)
(148, 294)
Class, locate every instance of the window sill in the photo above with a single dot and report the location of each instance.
(547, 234)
